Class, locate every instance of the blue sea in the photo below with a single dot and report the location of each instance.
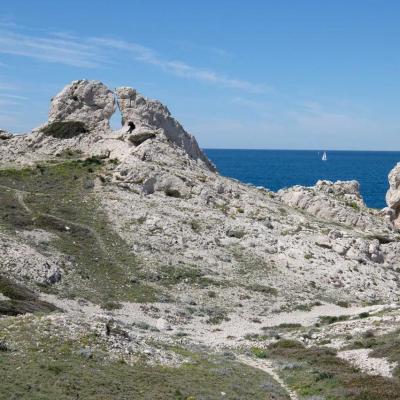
(276, 169)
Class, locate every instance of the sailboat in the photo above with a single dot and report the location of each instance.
(324, 157)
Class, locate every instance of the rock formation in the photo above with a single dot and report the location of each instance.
(152, 114)
(90, 102)
(334, 201)
(5, 135)
(393, 196)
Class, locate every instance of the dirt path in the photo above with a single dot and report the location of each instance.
(267, 366)
(20, 194)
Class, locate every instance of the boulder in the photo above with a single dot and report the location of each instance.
(5, 135)
(90, 102)
(148, 185)
(172, 186)
(153, 115)
(139, 138)
(393, 196)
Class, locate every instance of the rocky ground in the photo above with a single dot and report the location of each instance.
(126, 254)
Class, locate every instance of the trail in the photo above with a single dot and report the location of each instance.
(20, 194)
(267, 367)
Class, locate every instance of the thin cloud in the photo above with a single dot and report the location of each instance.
(178, 68)
(13, 96)
(50, 49)
(214, 50)
(5, 102)
(252, 104)
(67, 49)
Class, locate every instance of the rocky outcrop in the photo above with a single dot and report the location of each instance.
(5, 135)
(141, 137)
(32, 266)
(334, 201)
(347, 190)
(154, 115)
(90, 102)
(393, 196)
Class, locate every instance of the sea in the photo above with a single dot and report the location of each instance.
(277, 169)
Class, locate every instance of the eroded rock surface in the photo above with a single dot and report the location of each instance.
(393, 195)
(90, 102)
(153, 114)
(335, 201)
(5, 135)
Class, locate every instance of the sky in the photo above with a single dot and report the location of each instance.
(260, 74)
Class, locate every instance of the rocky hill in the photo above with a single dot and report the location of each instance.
(125, 254)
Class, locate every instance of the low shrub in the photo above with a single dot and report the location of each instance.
(331, 319)
(259, 353)
(3, 346)
(256, 287)
(64, 129)
(111, 305)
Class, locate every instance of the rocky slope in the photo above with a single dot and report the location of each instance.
(156, 259)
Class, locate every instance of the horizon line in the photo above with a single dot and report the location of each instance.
(282, 149)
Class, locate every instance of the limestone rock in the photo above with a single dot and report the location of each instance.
(152, 114)
(375, 252)
(90, 102)
(33, 266)
(141, 137)
(393, 195)
(163, 325)
(349, 190)
(4, 135)
(172, 186)
(148, 185)
(334, 201)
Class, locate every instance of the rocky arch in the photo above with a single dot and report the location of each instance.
(93, 103)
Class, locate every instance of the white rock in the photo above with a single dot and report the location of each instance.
(90, 102)
(334, 201)
(152, 114)
(5, 135)
(163, 325)
(393, 194)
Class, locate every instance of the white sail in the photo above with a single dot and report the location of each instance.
(324, 157)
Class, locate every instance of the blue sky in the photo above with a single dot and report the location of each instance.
(298, 74)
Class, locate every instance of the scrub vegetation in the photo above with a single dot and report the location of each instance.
(64, 129)
(317, 371)
(38, 366)
(60, 199)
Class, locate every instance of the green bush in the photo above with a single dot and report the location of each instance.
(354, 205)
(64, 129)
(259, 353)
(111, 305)
(256, 287)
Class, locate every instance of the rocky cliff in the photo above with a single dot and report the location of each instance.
(393, 196)
(131, 247)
